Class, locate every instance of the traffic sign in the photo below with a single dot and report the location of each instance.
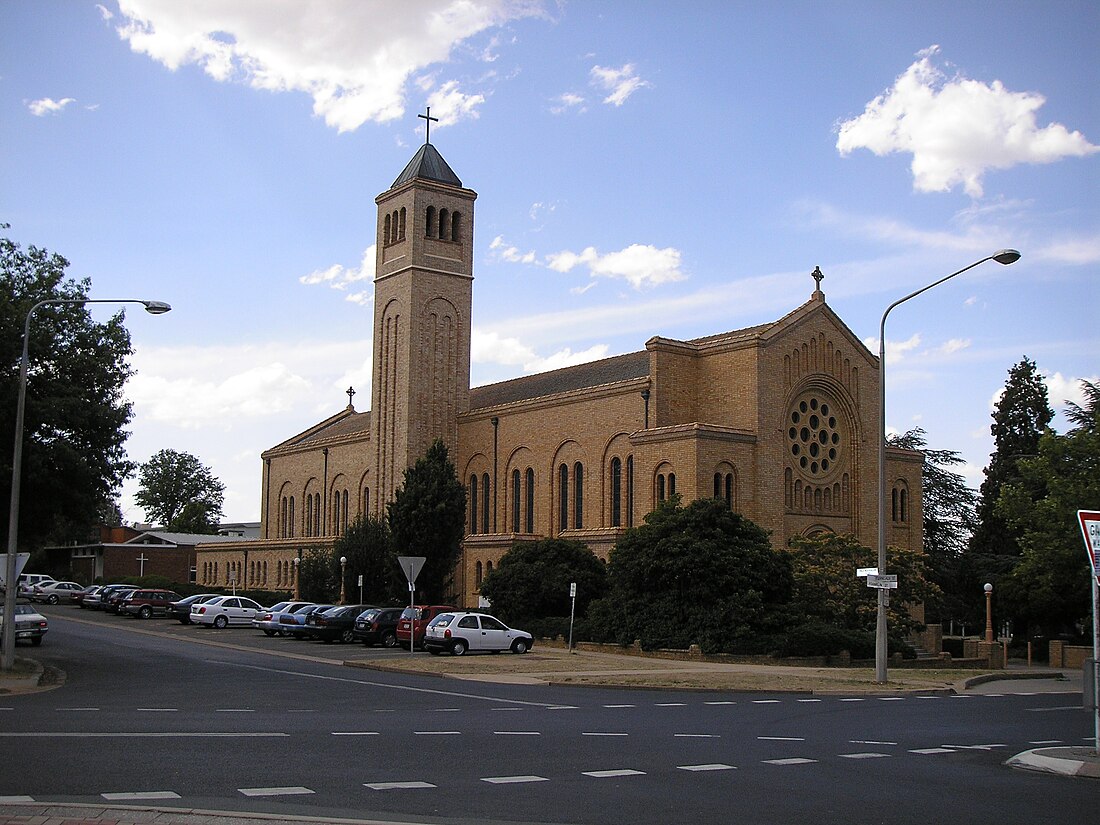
(866, 571)
(1090, 529)
(883, 582)
(410, 566)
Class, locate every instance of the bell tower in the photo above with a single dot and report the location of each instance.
(423, 295)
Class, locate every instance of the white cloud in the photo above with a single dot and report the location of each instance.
(48, 106)
(640, 265)
(895, 350)
(450, 105)
(493, 348)
(619, 83)
(339, 277)
(956, 129)
(105, 12)
(353, 58)
(510, 253)
(954, 345)
(1061, 389)
(567, 101)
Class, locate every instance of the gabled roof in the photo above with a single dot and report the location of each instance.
(427, 164)
(164, 537)
(581, 376)
(345, 423)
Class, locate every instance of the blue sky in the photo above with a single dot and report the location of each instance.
(643, 168)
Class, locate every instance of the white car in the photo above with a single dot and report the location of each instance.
(459, 631)
(53, 592)
(268, 621)
(30, 625)
(27, 581)
(224, 611)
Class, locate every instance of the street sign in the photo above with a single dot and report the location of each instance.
(883, 582)
(1090, 529)
(20, 562)
(866, 571)
(572, 590)
(411, 566)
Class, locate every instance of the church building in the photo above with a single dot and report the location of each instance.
(779, 420)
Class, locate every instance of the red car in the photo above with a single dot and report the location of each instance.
(417, 617)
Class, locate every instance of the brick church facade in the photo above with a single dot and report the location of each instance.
(780, 420)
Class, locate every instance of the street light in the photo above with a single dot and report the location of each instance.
(11, 590)
(297, 585)
(343, 582)
(988, 613)
(1004, 256)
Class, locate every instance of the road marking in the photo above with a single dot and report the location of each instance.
(510, 780)
(807, 700)
(1048, 710)
(447, 710)
(853, 700)
(612, 774)
(129, 735)
(119, 797)
(6, 799)
(158, 710)
(781, 738)
(597, 733)
(870, 755)
(719, 703)
(390, 786)
(926, 751)
(274, 791)
(973, 747)
(355, 733)
(929, 696)
(891, 698)
(1046, 742)
(670, 704)
(618, 706)
(715, 766)
(765, 701)
(516, 733)
(77, 710)
(497, 710)
(868, 742)
(559, 707)
(437, 732)
(792, 761)
(698, 735)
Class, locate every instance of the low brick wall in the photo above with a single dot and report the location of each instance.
(1068, 656)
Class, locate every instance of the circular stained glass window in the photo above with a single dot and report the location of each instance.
(813, 436)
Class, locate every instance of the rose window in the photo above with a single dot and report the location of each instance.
(813, 436)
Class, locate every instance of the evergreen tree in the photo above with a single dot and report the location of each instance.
(181, 493)
(367, 547)
(948, 509)
(1049, 588)
(427, 517)
(1019, 419)
(74, 429)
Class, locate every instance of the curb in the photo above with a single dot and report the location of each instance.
(34, 812)
(974, 681)
(1062, 761)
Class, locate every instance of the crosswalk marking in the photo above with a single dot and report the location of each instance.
(392, 786)
(714, 766)
(292, 791)
(792, 761)
(509, 780)
(612, 774)
(119, 797)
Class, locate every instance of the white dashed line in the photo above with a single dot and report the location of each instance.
(437, 733)
(719, 703)
(780, 738)
(393, 786)
(870, 755)
(447, 710)
(77, 710)
(1046, 742)
(496, 710)
(891, 698)
(715, 766)
(612, 774)
(793, 761)
(598, 733)
(765, 701)
(927, 751)
(853, 700)
(807, 700)
(158, 710)
(698, 735)
(512, 780)
(234, 710)
(670, 705)
(562, 707)
(6, 799)
(118, 797)
(355, 733)
(868, 742)
(516, 733)
(618, 706)
(274, 791)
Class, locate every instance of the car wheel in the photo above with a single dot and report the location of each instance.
(36, 641)
(221, 622)
(389, 639)
(269, 632)
(185, 621)
(146, 612)
(519, 646)
(347, 636)
(52, 599)
(458, 648)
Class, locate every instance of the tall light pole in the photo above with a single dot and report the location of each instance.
(1004, 256)
(11, 590)
(988, 613)
(343, 580)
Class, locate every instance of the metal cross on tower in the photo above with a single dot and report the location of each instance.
(428, 124)
(817, 275)
(351, 392)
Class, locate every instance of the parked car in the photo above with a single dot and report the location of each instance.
(418, 617)
(79, 596)
(377, 626)
(98, 600)
(461, 631)
(27, 581)
(268, 621)
(294, 624)
(223, 611)
(145, 604)
(336, 623)
(30, 625)
(181, 610)
(113, 602)
(53, 591)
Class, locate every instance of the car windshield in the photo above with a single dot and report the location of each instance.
(24, 610)
(369, 615)
(303, 608)
(442, 620)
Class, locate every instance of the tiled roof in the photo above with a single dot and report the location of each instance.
(581, 376)
(427, 164)
(354, 424)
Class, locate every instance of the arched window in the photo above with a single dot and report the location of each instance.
(473, 503)
(661, 487)
(894, 504)
(578, 496)
(485, 523)
(530, 508)
(616, 492)
(563, 497)
(671, 484)
(386, 230)
(290, 518)
(515, 501)
(630, 491)
(488, 567)
(904, 505)
(366, 502)
(477, 574)
(444, 224)
(456, 226)
(344, 512)
(401, 225)
(429, 222)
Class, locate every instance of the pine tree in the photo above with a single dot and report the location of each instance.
(1019, 420)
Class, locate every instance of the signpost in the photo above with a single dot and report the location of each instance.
(1090, 529)
(21, 560)
(883, 582)
(572, 609)
(411, 566)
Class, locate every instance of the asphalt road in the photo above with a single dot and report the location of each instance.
(145, 718)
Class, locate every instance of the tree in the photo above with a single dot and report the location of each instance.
(318, 579)
(948, 507)
(1020, 416)
(74, 458)
(1049, 588)
(367, 546)
(697, 574)
(427, 518)
(532, 580)
(178, 491)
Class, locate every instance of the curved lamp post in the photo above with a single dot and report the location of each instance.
(11, 586)
(1004, 256)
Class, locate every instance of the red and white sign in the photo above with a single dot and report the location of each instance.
(1090, 529)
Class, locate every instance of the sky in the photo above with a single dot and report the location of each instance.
(642, 168)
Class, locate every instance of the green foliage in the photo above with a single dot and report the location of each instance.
(532, 580)
(178, 491)
(820, 639)
(318, 578)
(366, 546)
(74, 458)
(949, 519)
(697, 574)
(1019, 419)
(1049, 588)
(827, 590)
(427, 518)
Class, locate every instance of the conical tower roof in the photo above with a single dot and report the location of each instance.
(427, 164)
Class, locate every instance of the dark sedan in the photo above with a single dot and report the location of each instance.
(377, 626)
(335, 624)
